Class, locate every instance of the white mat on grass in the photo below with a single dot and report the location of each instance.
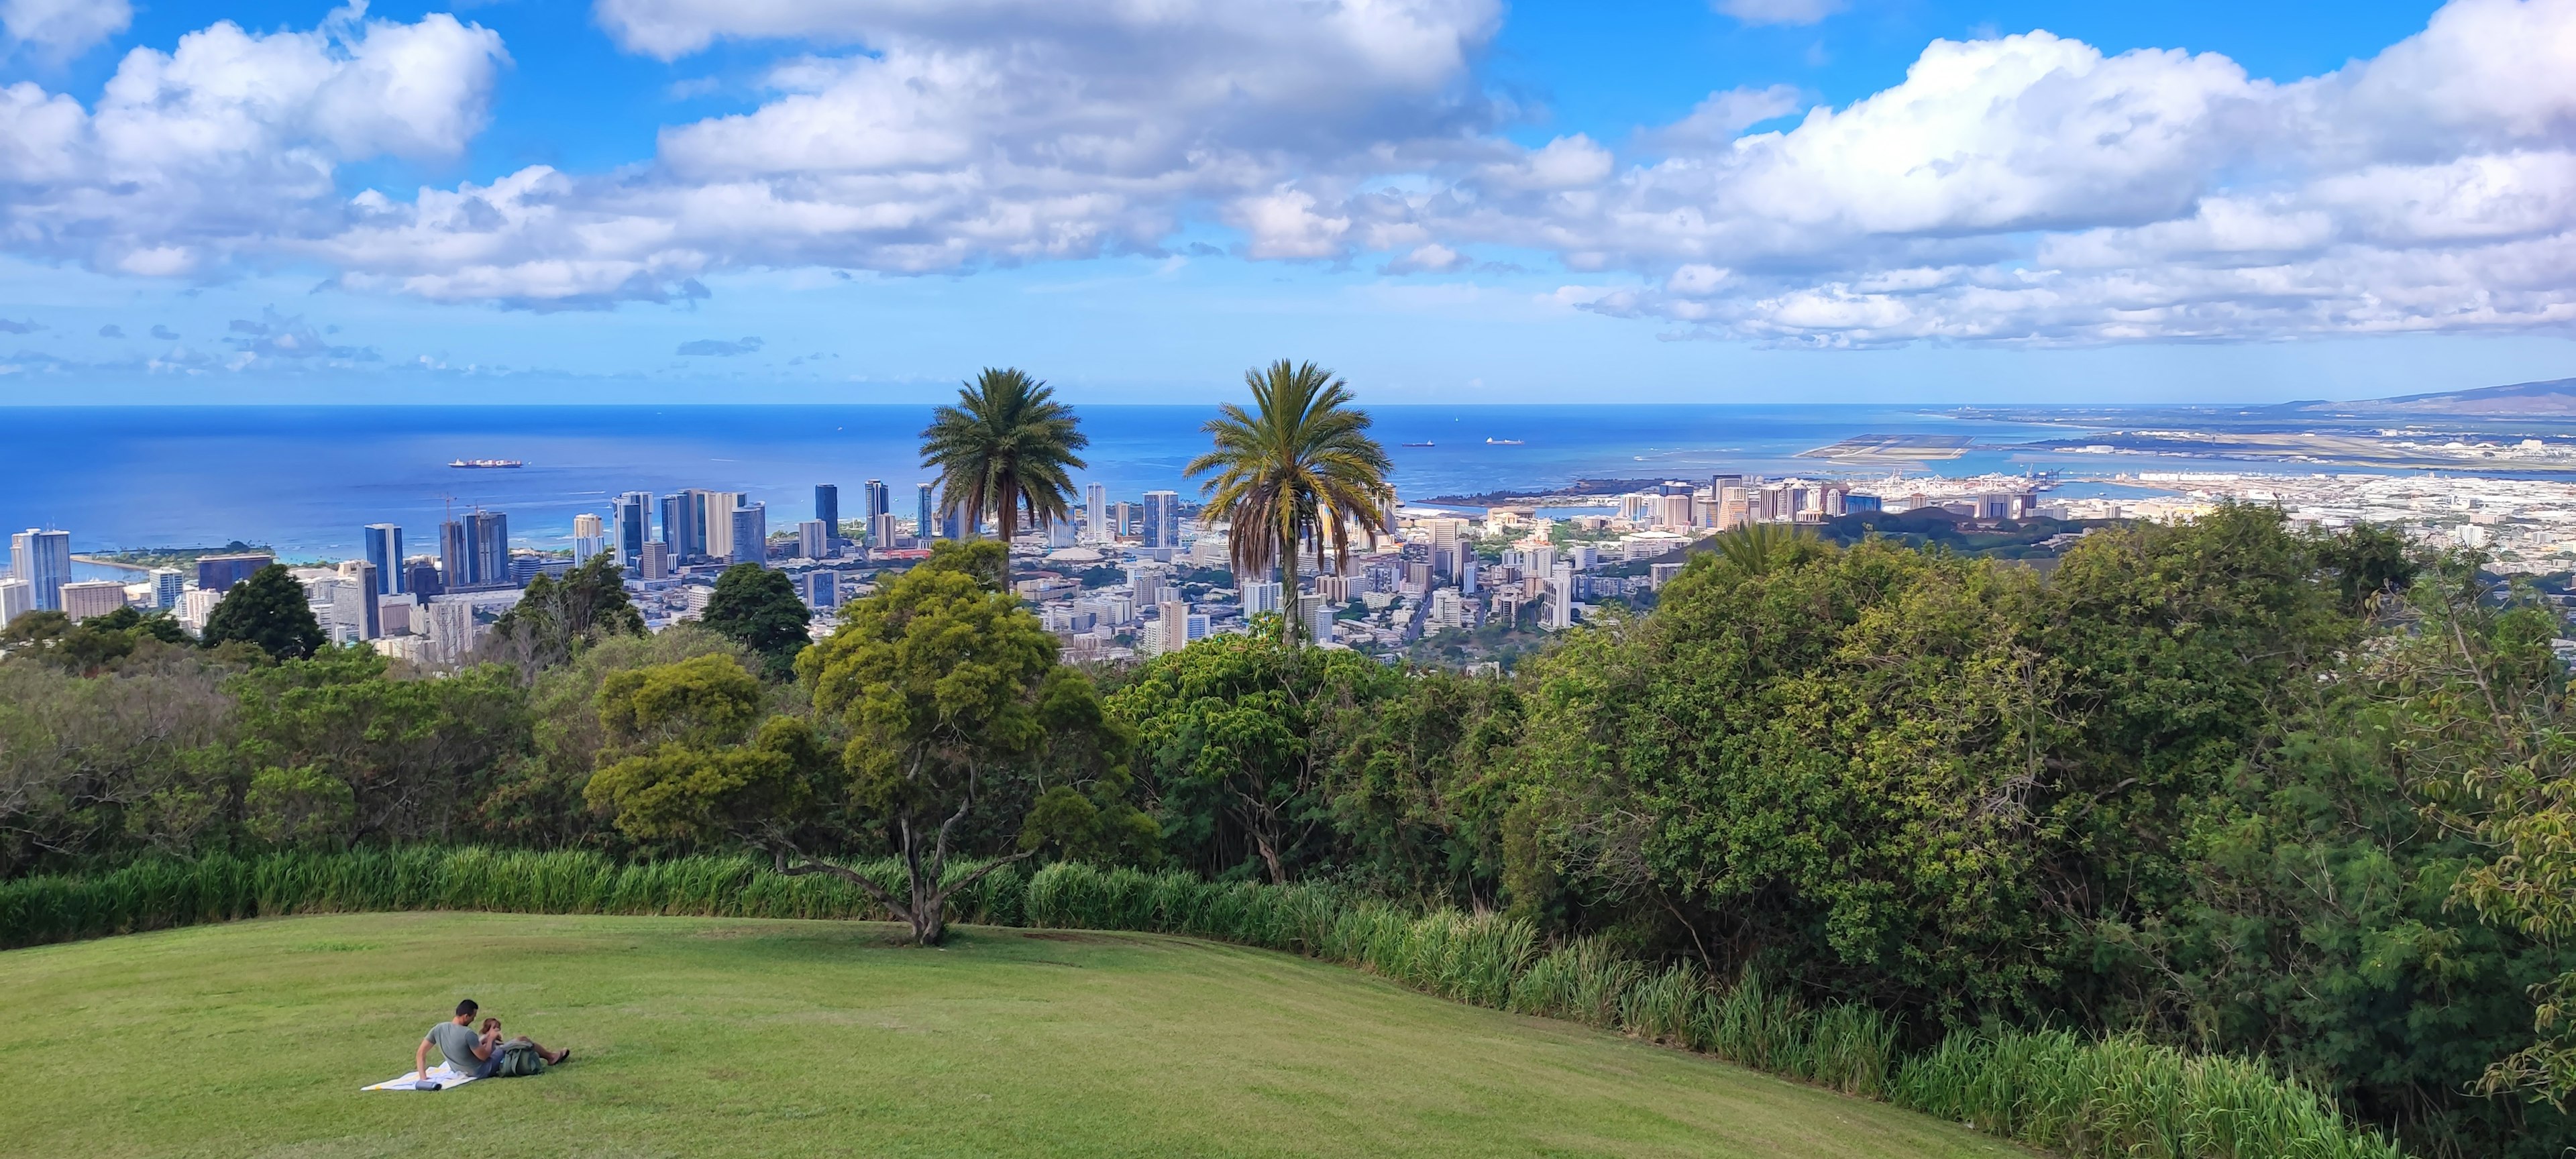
(440, 1078)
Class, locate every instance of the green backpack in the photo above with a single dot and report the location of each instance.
(518, 1060)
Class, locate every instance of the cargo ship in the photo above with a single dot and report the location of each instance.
(485, 464)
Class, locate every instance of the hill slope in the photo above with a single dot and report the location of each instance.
(2554, 398)
(736, 1037)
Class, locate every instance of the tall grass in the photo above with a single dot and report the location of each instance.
(2127, 1098)
(2115, 1097)
(150, 895)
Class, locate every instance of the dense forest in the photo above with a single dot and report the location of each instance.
(2227, 785)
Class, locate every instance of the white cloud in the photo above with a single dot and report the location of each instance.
(1779, 11)
(2031, 189)
(64, 28)
(2025, 188)
(229, 141)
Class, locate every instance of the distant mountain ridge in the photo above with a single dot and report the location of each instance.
(2551, 399)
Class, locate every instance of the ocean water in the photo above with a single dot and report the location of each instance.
(305, 479)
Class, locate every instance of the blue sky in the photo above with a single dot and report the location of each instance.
(1447, 200)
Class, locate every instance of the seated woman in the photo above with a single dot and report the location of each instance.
(484, 1054)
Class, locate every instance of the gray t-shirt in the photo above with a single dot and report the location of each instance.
(457, 1043)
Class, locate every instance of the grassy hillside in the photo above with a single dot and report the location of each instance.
(741, 1037)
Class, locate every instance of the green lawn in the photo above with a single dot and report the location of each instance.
(698, 1037)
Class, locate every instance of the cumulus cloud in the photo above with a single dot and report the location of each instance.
(29, 326)
(721, 348)
(229, 141)
(2025, 188)
(165, 333)
(111, 330)
(2033, 189)
(64, 28)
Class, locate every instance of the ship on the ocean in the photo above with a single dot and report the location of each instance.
(1422, 444)
(486, 463)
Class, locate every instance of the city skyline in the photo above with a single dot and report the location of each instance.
(1941, 200)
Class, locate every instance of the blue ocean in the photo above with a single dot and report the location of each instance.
(304, 479)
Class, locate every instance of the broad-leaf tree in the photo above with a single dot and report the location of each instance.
(1298, 468)
(555, 618)
(759, 609)
(268, 610)
(1004, 450)
(948, 691)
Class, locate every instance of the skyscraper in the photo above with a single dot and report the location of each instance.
(747, 526)
(218, 573)
(924, 526)
(812, 541)
(827, 507)
(354, 604)
(385, 550)
(1162, 519)
(43, 561)
(167, 584)
(880, 502)
(882, 531)
(634, 525)
(1259, 597)
(712, 512)
(487, 542)
(1095, 514)
(655, 561)
(589, 538)
(675, 526)
(455, 554)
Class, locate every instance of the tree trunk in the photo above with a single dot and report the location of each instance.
(1289, 602)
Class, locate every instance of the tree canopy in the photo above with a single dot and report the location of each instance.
(759, 609)
(267, 611)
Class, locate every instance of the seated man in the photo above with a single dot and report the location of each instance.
(481, 1055)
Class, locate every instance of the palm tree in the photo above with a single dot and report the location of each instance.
(1004, 449)
(1757, 549)
(1298, 468)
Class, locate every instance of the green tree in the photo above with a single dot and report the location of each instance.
(1238, 734)
(1004, 449)
(555, 618)
(948, 691)
(1298, 468)
(2484, 720)
(267, 610)
(694, 760)
(759, 609)
(1756, 548)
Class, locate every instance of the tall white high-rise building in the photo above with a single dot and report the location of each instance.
(195, 605)
(885, 531)
(589, 538)
(451, 630)
(1095, 514)
(1317, 614)
(1446, 609)
(1261, 597)
(1559, 611)
(814, 540)
(17, 598)
(654, 562)
(1447, 539)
